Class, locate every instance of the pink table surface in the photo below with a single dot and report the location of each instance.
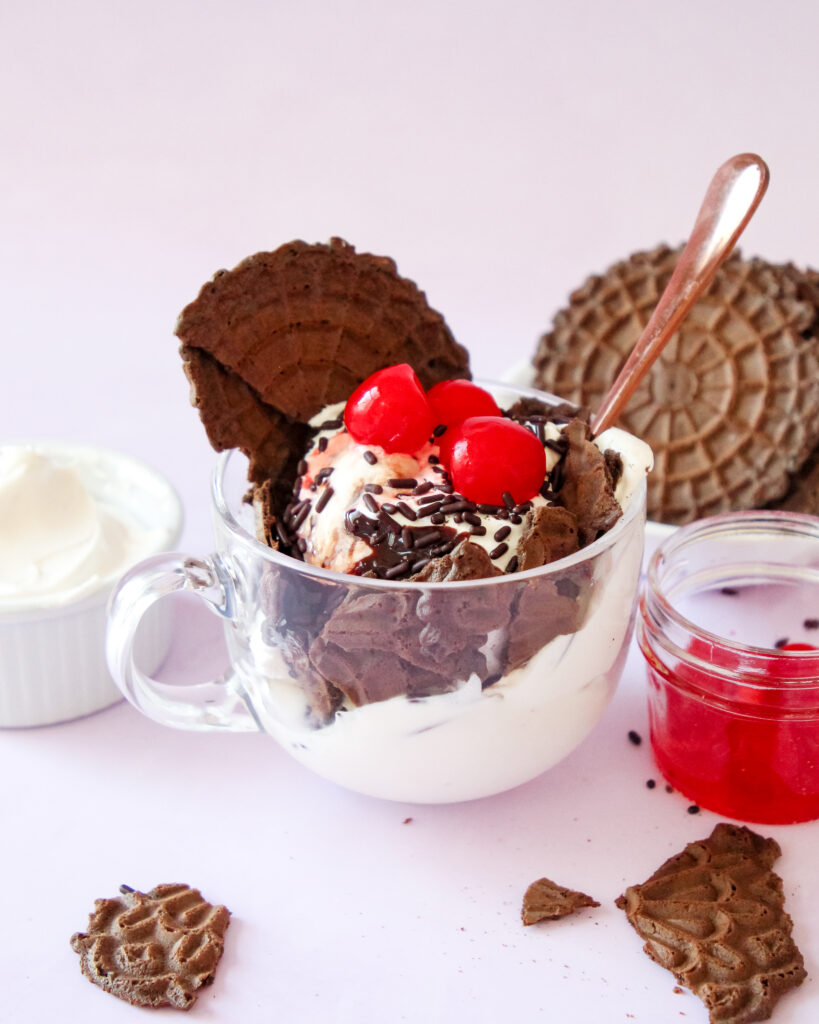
(347, 908)
(501, 152)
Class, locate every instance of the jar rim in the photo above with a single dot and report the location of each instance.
(757, 659)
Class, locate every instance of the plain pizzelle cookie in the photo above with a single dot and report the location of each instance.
(731, 407)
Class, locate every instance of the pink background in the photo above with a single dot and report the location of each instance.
(499, 152)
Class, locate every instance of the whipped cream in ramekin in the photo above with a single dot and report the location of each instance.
(59, 540)
(73, 518)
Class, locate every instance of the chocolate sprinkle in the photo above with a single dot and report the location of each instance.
(489, 510)
(301, 469)
(423, 488)
(331, 424)
(406, 511)
(508, 500)
(502, 533)
(478, 531)
(693, 809)
(634, 737)
(433, 460)
(373, 488)
(427, 538)
(781, 642)
(402, 482)
(322, 443)
(429, 510)
(501, 549)
(438, 518)
(325, 496)
(370, 458)
(389, 507)
(370, 502)
(811, 623)
(650, 784)
(458, 506)
(397, 570)
(512, 564)
(301, 515)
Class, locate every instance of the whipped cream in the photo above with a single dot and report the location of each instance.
(61, 537)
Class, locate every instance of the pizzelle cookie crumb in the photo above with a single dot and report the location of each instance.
(545, 900)
(153, 949)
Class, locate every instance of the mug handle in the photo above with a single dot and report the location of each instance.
(220, 705)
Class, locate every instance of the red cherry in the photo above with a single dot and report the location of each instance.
(798, 647)
(492, 456)
(454, 401)
(391, 410)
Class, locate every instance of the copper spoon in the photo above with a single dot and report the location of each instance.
(732, 197)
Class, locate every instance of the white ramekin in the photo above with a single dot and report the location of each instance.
(52, 660)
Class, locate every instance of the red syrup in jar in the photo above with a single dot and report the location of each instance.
(733, 683)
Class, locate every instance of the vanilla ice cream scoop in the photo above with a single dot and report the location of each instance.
(357, 508)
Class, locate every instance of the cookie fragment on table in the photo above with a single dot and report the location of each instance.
(544, 900)
(153, 949)
(714, 916)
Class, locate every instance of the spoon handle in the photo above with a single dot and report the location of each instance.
(732, 197)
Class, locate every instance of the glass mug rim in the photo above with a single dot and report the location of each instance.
(238, 533)
(654, 605)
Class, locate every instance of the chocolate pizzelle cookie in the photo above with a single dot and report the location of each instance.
(153, 949)
(270, 343)
(731, 407)
(714, 916)
(545, 900)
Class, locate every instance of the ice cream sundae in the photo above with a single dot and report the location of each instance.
(448, 591)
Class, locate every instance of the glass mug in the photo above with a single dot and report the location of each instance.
(422, 692)
(729, 625)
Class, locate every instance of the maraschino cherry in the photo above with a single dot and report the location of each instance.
(391, 410)
(492, 456)
(454, 401)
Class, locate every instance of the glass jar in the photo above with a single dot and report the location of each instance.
(728, 623)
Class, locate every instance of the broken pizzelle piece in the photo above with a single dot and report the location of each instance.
(544, 900)
(714, 916)
(153, 949)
